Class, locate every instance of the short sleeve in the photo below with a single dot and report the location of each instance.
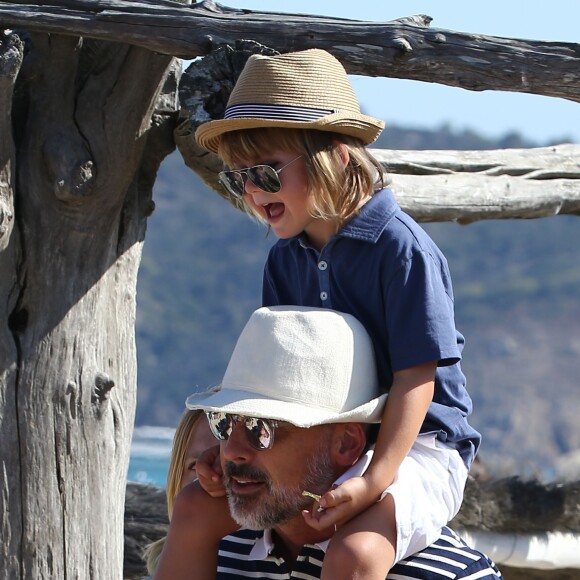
(419, 312)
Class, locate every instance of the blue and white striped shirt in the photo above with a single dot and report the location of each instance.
(449, 557)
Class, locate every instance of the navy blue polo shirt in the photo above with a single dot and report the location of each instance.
(385, 270)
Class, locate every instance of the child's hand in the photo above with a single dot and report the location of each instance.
(209, 472)
(342, 503)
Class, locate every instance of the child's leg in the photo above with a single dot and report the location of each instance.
(364, 547)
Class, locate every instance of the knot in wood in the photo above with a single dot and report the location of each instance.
(77, 183)
(438, 38)
(11, 54)
(71, 392)
(103, 384)
(403, 44)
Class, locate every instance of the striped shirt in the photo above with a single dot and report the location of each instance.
(244, 555)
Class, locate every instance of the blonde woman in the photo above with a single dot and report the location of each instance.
(192, 437)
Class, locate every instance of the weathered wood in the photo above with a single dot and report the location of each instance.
(11, 55)
(462, 186)
(397, 49)
(88, 147)
(467, 186)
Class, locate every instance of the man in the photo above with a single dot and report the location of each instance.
(294, 414)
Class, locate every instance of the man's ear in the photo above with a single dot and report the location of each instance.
(350, 441)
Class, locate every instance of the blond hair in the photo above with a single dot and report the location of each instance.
(181, 439)
(337, 192)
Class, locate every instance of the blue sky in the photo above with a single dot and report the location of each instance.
(428, 105)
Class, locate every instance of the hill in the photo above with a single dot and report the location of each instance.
(516, 289)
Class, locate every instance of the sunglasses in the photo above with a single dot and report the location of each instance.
(263, 177)
(260, 432)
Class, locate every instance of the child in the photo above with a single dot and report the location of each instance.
(296, 140)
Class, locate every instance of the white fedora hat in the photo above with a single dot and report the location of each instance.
(308, 89)
(305, 366)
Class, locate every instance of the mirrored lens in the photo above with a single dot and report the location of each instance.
(260, 432)
(265, 178)
(220, 424)
(233, 181)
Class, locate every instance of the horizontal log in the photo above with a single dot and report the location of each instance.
(466, 186)
(397, 49)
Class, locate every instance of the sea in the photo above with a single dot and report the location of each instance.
(150, 453)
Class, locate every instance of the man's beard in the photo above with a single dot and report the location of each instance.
(280, 502)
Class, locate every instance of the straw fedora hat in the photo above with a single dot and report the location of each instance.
(301, 90)
(305, 366)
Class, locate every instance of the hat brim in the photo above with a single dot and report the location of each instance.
(363, 127)
(251, 404)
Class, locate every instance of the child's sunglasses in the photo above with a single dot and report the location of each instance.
(260, 432)
(263, 177)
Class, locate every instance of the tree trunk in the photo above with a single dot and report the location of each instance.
(81, 194)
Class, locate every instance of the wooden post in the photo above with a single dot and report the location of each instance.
(70, 246)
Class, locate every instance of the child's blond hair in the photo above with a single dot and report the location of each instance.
(337, 191)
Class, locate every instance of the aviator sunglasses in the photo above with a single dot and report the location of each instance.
(260, 432)
(264, 177)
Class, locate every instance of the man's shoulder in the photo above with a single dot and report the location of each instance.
(448, 557)
(241, 542)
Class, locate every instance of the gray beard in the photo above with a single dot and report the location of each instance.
(281, 503)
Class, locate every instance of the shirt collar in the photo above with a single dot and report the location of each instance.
(265, 545)
(368, 224)
(372, 219)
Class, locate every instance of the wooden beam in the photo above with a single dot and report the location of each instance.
(406, 48)
(467, 186)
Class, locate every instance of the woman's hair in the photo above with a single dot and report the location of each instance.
(151, 554)
(337, 191)
(178, 454)
(181, 439)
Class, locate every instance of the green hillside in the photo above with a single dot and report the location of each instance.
(517, 300)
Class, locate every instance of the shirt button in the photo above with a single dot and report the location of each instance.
(322, 265)
(323, 296)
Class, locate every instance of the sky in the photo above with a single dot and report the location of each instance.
(429, 105)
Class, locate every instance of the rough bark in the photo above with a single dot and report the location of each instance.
(11, 54)
(403, 48)
(86, 152)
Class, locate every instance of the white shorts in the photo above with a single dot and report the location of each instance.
(427, 491)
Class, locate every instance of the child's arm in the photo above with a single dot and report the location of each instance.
(407, 404)
(198, 523)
